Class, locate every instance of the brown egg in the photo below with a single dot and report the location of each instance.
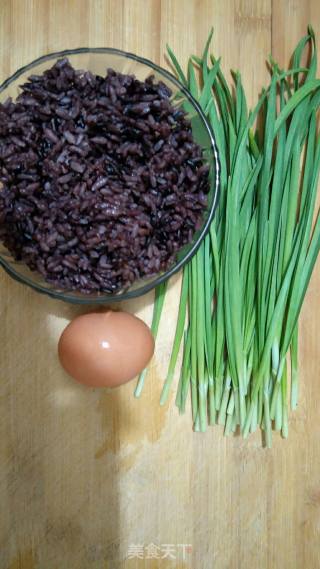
(105, 349)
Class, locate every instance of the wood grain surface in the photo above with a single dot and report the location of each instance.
(87, 475)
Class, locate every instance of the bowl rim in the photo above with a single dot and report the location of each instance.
(104, 298)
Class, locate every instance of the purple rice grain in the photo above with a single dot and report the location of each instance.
(101, 182)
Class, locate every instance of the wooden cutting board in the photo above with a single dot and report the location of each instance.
(91, 479)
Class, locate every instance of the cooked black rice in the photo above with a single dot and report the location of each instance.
(101, 182)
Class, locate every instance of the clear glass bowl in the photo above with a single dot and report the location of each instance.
(97, 60)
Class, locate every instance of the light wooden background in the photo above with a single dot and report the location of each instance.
(85, 474)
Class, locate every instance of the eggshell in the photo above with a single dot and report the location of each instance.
(105, 349)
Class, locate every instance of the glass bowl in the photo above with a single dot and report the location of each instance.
(97, 60)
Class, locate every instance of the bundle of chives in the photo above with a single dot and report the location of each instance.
(242, 292)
